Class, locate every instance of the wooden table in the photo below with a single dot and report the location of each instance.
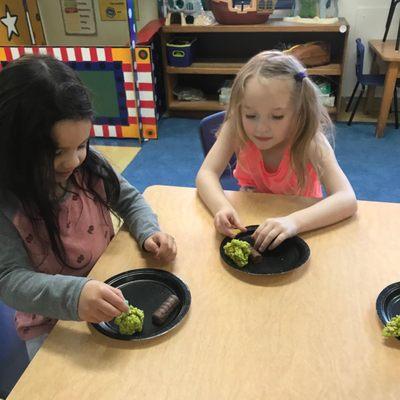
(310, 334)
(386, 52)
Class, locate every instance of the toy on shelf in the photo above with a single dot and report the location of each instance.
(314, 11)
(231, 12)
(306, 8)
(182, 12)
(312, 54)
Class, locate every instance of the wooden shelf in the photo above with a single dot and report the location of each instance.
(211, 105)
(231, 68)
(206, 105)
(273, 25)
(221, 50)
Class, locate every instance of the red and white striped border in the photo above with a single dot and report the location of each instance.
(91, 54)
(78, 54)
(145, 86)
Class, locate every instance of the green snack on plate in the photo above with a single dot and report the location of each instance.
(131, 321)
(238, 251)
(392, 328)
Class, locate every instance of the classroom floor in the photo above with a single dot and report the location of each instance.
(371, 117)
(371, 164)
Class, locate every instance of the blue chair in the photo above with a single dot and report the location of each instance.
(13, 355)
(208, 128)
(367, 80)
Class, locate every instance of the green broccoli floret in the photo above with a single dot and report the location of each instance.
(238, 251)
(392, 328)
(131, 321)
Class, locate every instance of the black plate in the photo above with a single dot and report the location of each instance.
(147, 288)
(388, 303)
(290, 254)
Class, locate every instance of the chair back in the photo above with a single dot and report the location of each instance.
(208, 129)
(13, 355)
(360, 59)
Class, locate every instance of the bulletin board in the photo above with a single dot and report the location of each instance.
(20, 23)
(114, 95)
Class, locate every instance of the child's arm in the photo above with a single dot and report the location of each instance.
(54, 296)
(142, 223)
(339, 204)
(209, 187)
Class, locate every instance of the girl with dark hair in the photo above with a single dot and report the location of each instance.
(56, 194)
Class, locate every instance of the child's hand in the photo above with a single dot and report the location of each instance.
(100, 302)
(247, 189)
(273, 232)
(226, 220)
(162, 245)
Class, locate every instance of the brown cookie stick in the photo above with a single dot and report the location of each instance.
(255, 256)
(166, 308)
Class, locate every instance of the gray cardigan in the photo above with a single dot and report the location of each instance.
(57, 296)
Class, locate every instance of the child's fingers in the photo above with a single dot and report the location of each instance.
(242, 228)
(115, 300)
(167, 249)
(268, 239)
(225, 229)
(108, 310)
(278, 240)
(119, 293)
(151, 246)
(236, 224)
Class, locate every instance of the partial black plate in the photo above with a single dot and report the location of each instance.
(147, 288)
(388, 303)
(290, 254)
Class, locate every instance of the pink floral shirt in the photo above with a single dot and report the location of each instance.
(85, 229)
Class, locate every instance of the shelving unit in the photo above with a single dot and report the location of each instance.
(221, 50)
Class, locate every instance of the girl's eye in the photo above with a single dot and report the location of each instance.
(278, 116)
(58, 153)
(250, 116)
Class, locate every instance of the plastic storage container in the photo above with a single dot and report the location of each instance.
(306, 8)
(316, 8)
(180, 52)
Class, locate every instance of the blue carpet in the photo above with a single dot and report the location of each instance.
(173, 159)
(372, 165)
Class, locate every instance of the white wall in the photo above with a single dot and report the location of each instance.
(367, 19)
(147, 12)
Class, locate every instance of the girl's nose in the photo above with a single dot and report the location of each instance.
(72, 162)
(263, 127)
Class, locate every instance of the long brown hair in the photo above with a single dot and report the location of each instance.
(36, 92)
(311, 119)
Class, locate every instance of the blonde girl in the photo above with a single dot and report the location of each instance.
(277, 127)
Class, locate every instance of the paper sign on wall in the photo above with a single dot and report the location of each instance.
(78, 17)
(113, 10)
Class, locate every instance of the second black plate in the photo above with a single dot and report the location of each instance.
(291, 254)
(147, 289)
(388, 303)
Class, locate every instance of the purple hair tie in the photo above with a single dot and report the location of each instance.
(300, 76)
